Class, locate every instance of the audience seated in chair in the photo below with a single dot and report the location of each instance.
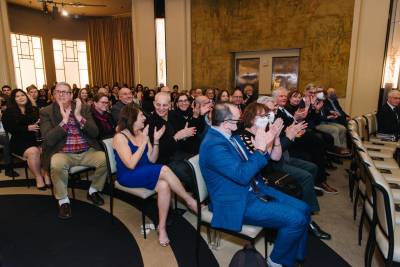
(125, 96)
(169, 142)
(307, 146)
(102, 117)
(70, 139)
(389, 116)
(21, 120)
(256, 115)
(237, 199)
(136, 157)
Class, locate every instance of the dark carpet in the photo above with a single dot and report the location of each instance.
(97, 227)
(32, 235)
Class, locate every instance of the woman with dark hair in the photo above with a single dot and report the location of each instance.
(21, 120)
(83, 95)
(184, 116)
(139, 92)
(135, 157)
(102, 117)
(223, 96)
(148, 99)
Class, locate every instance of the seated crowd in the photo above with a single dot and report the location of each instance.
(246, 144)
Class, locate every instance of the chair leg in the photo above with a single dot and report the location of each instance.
(266, 244)
(371, 252)
(197, 246)
(73, 187)
(360, 227)
(112, 202)
(143, 220)
(355, 204)
(26, 176)
(368, 247)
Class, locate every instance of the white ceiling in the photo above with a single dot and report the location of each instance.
(113, 7)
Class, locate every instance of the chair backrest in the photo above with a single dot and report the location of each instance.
(383, 215)
(371, 123)
(111, 164)
(352, 126)
(200, 185)
(384, 211)
(362, 131)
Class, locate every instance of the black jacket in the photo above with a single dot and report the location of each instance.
(388, 120)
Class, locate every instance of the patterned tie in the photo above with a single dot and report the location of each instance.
(244, 157)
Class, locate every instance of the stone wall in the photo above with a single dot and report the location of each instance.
(320, 28)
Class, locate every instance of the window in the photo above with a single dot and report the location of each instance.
(161, 55)
(70, 60)
(28, 60)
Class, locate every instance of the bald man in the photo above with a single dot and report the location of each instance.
(389, 115)
(172, 139)
(125, 96)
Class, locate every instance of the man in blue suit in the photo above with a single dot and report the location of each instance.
(235, 196)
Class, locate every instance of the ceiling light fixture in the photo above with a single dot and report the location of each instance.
(64, 13)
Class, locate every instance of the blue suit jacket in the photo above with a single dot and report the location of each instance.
(228, 179)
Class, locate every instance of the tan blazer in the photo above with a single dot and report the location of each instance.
(54, 136)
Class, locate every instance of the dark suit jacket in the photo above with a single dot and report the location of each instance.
(115, 110)
(388, 122)
(328, 107)
(54, 136)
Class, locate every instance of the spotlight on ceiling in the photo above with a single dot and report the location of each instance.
(64, 13)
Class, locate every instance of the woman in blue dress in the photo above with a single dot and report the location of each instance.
(135, 157)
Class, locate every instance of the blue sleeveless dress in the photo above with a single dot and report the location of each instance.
(145, 174)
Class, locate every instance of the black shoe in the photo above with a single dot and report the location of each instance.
(11, 173)
(319, 193)
(318, 232)
(95, 198)
(64, 211)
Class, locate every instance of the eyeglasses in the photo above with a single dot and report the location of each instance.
(62, 92)
(232, 120)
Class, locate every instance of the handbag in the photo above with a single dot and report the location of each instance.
(284, 183)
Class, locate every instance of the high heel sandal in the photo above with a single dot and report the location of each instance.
(163, 244)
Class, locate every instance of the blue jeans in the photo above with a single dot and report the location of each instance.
(289, 216)
(304, 172)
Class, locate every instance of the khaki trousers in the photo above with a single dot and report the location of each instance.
(61, 162)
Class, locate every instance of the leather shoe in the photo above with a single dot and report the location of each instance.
(318, 232)
(64, 211)
(11, 173)
(95, 198)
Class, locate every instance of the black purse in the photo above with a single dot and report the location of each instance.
(284, 183)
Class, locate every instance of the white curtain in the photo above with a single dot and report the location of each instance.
(7, 75)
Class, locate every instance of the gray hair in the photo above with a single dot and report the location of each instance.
(275, 93)
(265, 99)
(63, 84)
(393, 92)
(221, 113)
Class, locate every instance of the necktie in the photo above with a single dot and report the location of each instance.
(244, 157)
(237, 147)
